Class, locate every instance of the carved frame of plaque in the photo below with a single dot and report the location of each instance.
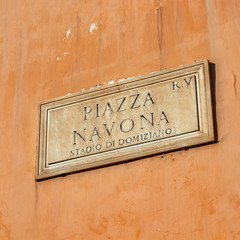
(164, 111)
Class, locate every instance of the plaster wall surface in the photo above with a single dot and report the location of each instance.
(51, 48)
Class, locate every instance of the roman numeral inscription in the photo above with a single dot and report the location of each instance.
(159, 112)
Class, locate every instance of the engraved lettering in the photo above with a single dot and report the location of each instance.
(75, 133)
(148, 98)
(163, 117)
(123, 99)
(88, 149)
(134, 102)
(72, 153)
(145, 136)
(143, 117)
(136, 138)
(108, 108)
(82, 151)
(121, 141)
(175, 85)
(86, 111)
(168, 131)
(126, 125)
(97, 114)
(95, 133)
(109, 132)
(188, 82)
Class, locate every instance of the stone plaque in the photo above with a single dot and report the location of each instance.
(159, 112)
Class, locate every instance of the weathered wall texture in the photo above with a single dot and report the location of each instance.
(47, 50)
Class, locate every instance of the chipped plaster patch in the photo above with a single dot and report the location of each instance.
(93, 27)
(111, 82)
(124, 79)
(98, 85)
(68, 33)
(60, 58)
(155, 72)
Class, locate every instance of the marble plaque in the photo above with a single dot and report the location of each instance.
(152, 114)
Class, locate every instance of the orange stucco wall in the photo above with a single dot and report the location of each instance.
(47, 51)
